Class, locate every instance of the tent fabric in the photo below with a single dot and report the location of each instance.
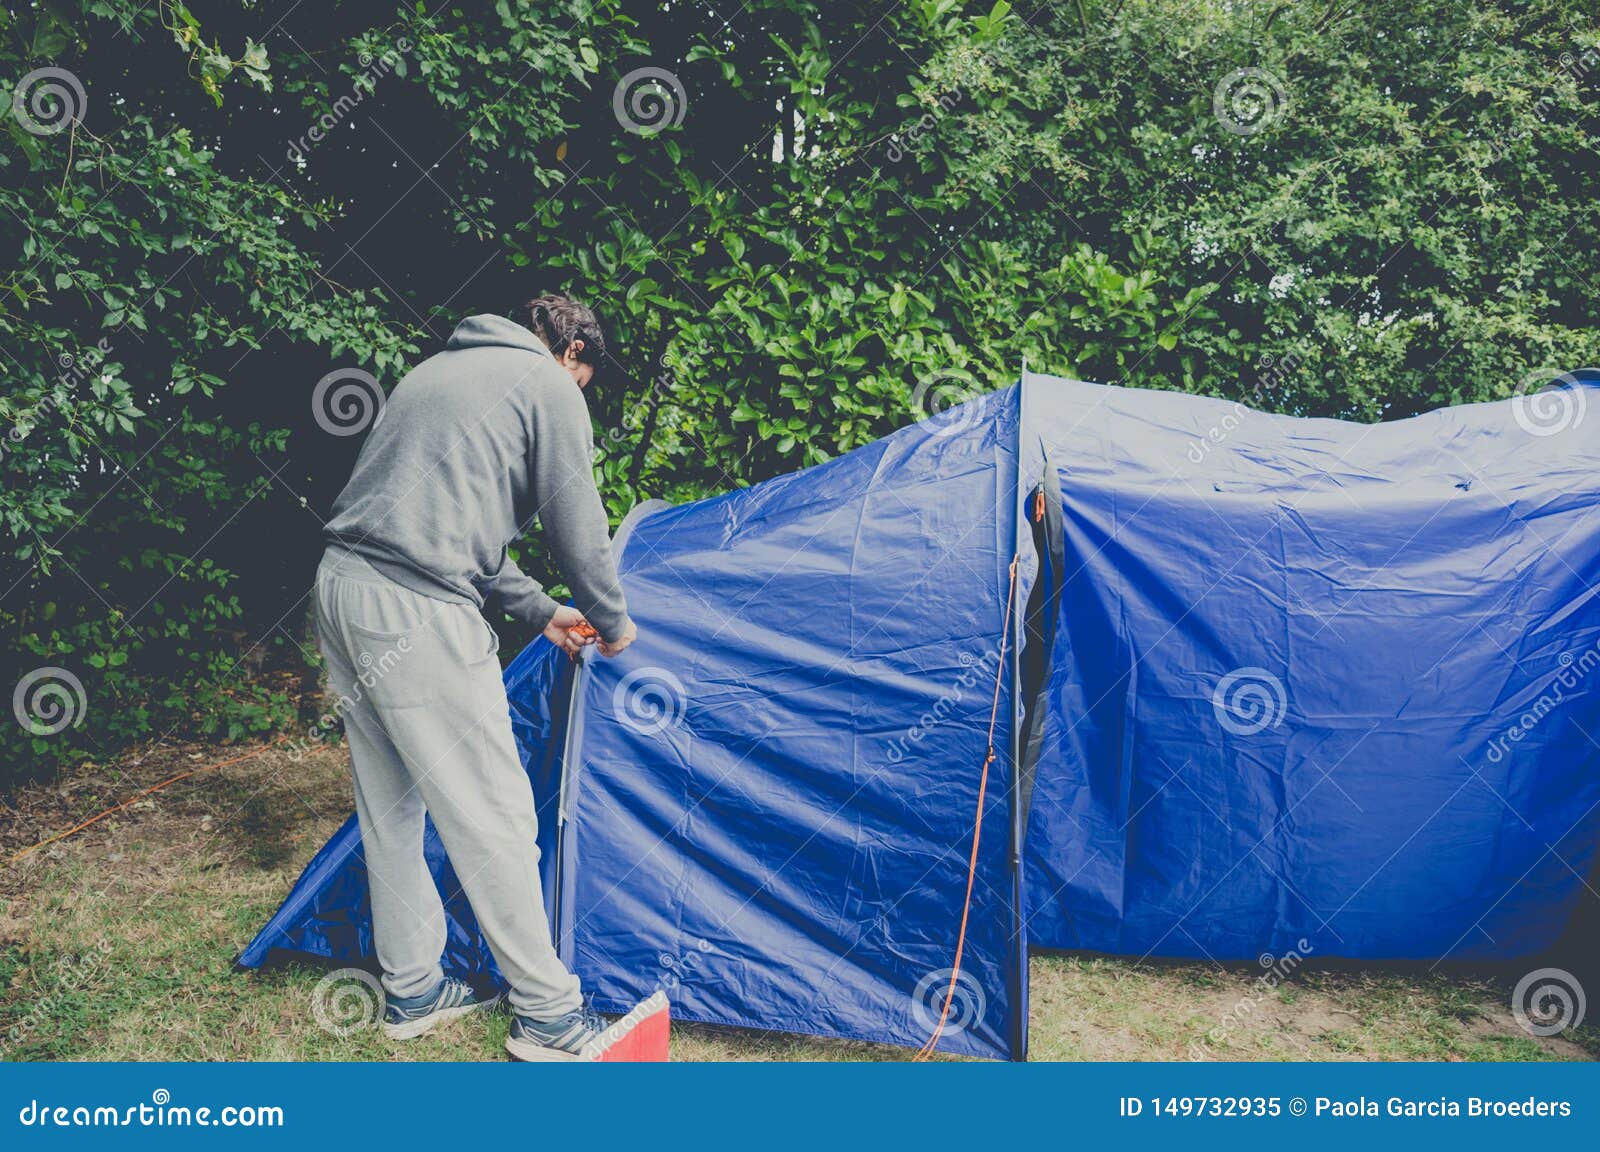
(328, 914)
(1318, 687)
(768, 802)
(1284, 686)
(771, 799)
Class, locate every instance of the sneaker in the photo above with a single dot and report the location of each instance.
(642, 1035)
(406, 1018)
(563, 1038)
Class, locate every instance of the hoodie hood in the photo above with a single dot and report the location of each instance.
(487, 331)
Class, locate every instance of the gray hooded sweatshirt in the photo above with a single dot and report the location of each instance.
(470, 447)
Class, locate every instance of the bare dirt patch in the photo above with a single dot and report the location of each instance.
(255, 813)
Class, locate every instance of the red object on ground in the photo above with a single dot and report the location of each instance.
(643, 1036)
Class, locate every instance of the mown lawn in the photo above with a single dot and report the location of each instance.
(116, 944)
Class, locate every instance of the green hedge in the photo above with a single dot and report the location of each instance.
(805, 225)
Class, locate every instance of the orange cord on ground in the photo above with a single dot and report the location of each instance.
(140, 796)
(929, 1048)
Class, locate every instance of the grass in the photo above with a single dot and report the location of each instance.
(117, 943)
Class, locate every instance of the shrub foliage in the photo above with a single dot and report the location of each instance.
(805, 224)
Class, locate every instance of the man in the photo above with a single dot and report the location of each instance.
(472, 445)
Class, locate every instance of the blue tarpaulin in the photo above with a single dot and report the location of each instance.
(1318, 685)
(1284, 685)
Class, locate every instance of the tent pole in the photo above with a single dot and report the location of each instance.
(568, 751)
(572, 747)
(1019, 998)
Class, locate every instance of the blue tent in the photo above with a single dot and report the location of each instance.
(1318, 687)
(1253, 684)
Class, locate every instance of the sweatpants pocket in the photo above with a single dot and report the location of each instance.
(393, 668)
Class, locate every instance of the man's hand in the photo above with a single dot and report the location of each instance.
(566, 631)
(629, 635)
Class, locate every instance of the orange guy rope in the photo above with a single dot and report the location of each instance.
(140, 796)
(977, 827)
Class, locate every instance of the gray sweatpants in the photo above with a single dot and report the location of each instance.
(430, 733)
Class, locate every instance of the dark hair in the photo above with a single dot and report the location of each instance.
(559, 320)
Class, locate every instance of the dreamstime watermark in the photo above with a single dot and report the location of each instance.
(48, 100)
(967, 1004)
(1249, 100)
(1574, 671)
(1548, 403)
(1271, 373)
(49, 700)
(1200, 448)
(917, 129)
(1547, 1001)
(679, 970)
(347, 1001)
(160, 1112)
(942, 392)
(372, 670)
(73, 372)
(1249, 700)
(373, 69)
(649, 100)
(649, 700)
(347, 401)
(1579, 66)
(660, 387)
(1276, 969)
(975, 670)
(72, 974)
(1575, 65)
